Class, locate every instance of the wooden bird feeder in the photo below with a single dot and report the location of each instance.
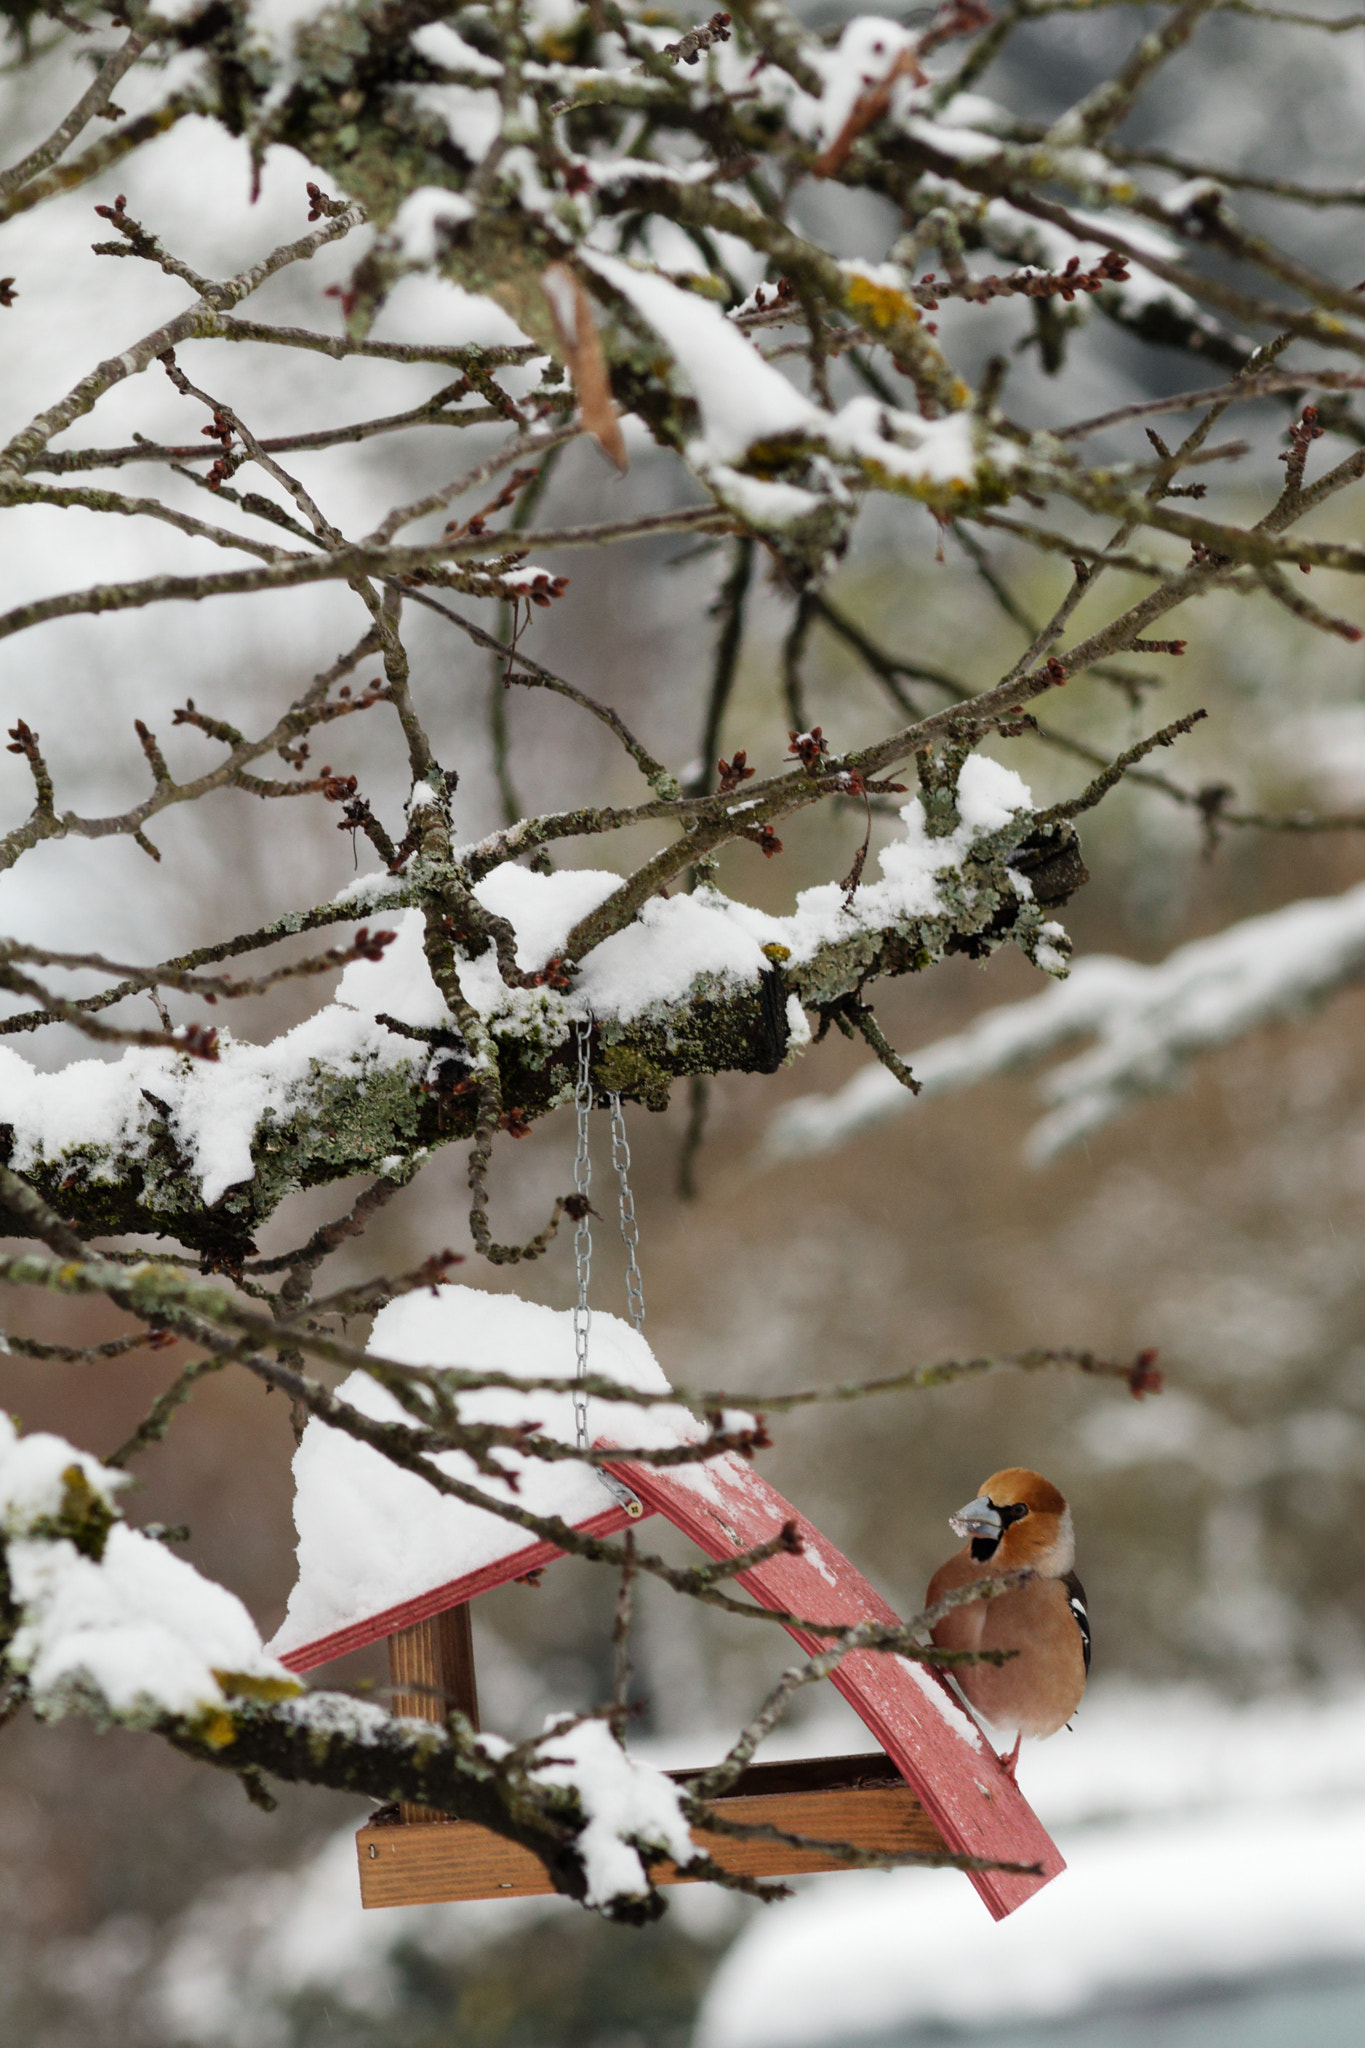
(935, 1783)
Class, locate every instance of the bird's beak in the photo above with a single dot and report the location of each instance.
(978, 1518)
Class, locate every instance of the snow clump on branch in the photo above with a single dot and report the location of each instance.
(106, 1619)
(625, 1803)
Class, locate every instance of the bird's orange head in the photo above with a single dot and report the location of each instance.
(1019, 1519)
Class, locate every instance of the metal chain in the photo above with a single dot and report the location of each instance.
(630, 1231)
(582, 1237)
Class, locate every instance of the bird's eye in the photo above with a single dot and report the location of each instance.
(1013, 1511)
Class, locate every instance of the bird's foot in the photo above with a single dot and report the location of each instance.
(1012, 1759)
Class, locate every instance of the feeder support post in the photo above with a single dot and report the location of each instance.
(431, 1671)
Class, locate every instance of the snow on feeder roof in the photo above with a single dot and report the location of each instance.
(378, 1548)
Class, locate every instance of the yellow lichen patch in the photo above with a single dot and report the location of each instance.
(247, 1685)
(78, 1495)
(773, 456)
(623, 1071)
(704, 283)
(776, 953)
(933, 491)
(883, 304)
(216, 1729)
(85, 1517)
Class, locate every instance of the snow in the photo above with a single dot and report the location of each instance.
(742, 398)
(1162, 1907)
(372, 1536)
(745, 401)
(995, 1043)
(36, 1474)
(276, 25)
(1190, 192)
(472, 115)
(657, 958)
(98, 1111)
(110, 1622)
(132, 1632)
(862, 57)
(281, 19)
(1019, 238)
(934, 451)
(798, 1027)
(966, 144)
(763, 501)
(277, 22)
(424, 213)
(1148, 1023)
(423, 307)
(1142, 287)
(1205, 1844)
(441, 44)
(974, 110)
(669, 946)
(989, 795)
(624, 1800)
(215, 1105)
(958, 1719)
(1004, 225)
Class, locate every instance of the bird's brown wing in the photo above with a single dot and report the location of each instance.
(960, 1628)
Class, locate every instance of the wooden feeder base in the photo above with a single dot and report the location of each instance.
(859, 1800)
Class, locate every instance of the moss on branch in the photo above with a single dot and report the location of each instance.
(348, 1121)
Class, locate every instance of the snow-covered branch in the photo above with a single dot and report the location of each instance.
(100, 1619)
(1148, 1024)
(206, 1148)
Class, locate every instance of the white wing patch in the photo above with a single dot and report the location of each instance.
(1075, 1600)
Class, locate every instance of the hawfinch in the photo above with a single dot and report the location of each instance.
(1017, 1520)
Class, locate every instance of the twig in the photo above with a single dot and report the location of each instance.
(729, 609)
(533, 675)
(92, 101)
(698, 1102)
(1072, 807)
(623, 1671)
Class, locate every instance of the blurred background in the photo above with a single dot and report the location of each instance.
(1213, 1793)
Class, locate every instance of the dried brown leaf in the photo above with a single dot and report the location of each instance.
(866, 111)
(571, 311)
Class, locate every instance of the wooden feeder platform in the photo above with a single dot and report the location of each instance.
(859, 1800)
